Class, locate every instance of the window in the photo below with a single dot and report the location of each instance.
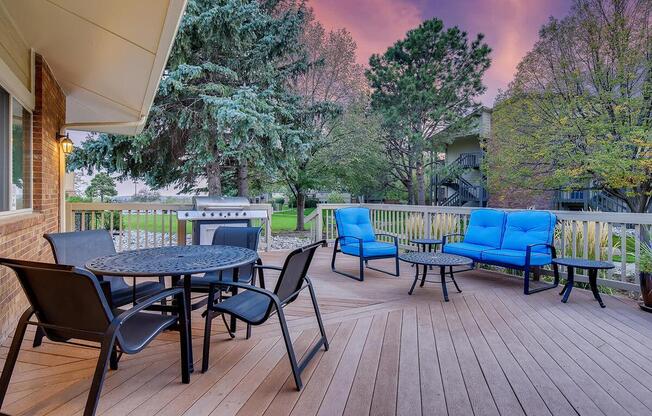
(15, 155)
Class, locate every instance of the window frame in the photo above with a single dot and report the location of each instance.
(10, 113)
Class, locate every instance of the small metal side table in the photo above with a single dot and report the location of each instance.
(592, 266)
(426, 244)
(441, 260)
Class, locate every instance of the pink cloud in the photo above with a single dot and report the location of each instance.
(511, 26)
(374, 24)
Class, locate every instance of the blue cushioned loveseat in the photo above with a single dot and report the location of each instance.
(517, 240)
(356, 237)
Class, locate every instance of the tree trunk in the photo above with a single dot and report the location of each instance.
(214, 179)
(421, 182)
(301, 205)
(410, 191)
(243, 179)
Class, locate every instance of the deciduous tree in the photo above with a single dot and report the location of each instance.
(579, 111)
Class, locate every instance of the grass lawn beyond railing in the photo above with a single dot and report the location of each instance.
(286, 220)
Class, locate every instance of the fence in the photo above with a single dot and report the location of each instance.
(143, 225)
(614, 237)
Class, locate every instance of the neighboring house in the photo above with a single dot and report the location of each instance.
(463, 157)
(88, 65)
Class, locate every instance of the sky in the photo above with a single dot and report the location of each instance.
(510, 26)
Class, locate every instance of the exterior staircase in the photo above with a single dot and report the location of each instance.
(464, 192)
(590, 199)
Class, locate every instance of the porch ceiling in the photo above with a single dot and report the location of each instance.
(108, 56)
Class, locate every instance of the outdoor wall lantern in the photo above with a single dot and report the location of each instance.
(66, 143)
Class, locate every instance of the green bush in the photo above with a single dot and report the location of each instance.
(336, 198)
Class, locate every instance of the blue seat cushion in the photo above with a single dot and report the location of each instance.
(485, 227)
(523, 228)
(354, 222)
(515, 257)
(473, 251)
(371, 249)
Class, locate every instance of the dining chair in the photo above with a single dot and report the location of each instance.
(246, 237)
(69, 304)
(256, 304)
(76, 248)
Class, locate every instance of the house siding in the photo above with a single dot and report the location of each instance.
(21, 236)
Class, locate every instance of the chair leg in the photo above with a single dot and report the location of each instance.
(315, 306)
(98, 377)
(38, 337)
(526, 281)
(115, 358)
(184, 340)
(296, 372)
(359, 278)
(207, 329)
(12, 356)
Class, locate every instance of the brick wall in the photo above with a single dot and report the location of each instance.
(21, 236)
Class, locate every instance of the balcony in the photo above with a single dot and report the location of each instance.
(489, 350)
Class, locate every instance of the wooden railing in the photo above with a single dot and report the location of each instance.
(591, 235)
(143, 225)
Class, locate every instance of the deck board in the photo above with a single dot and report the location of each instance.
(489, 351)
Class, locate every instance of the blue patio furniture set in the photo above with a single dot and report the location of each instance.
(520, 240)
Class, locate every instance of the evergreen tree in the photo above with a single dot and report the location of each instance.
(222, 103)
(102, 186)
(423, 87)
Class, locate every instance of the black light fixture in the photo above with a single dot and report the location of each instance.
(66, 143)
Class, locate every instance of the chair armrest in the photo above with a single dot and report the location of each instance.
(528, 250)
(257, 266)
(445, 238)
(144, 304)
(395, 238)
(348, 236)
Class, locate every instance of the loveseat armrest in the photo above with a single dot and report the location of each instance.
(528, 251)
(446, 237)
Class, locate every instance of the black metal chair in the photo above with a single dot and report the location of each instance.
(256, 304)
(69, 304)
(247, 237)
(76, 248)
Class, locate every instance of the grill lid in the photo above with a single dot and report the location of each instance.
(205, 203)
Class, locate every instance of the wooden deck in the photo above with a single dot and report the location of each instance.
(489, 351)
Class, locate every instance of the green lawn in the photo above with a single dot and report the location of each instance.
(286, 220)
(152, 222)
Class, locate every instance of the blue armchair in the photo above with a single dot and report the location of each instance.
(356, 237)
(518, 240)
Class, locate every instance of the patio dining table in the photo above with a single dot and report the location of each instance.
(174, 261)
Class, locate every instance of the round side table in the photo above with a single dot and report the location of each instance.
(440, 260)
(592, 266)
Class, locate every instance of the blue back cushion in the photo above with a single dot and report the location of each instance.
(354, 222)
(529, 227)
(485, 227)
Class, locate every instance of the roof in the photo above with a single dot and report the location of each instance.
(108, 56)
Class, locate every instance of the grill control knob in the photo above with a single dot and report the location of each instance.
(228, 214)
(186, 214)
(236, 214)
(212, 214)
(220, 214)
(244, 214)
(203, 214)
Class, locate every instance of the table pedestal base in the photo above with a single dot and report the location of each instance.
(443, 280)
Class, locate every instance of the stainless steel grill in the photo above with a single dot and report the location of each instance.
(209, 213)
